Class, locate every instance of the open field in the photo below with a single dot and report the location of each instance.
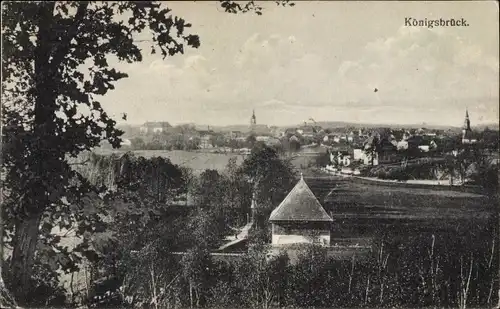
(361, 210)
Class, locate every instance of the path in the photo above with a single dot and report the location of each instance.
(241, 236)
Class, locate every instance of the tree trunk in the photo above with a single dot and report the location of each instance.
(498, 241)
(23, 255)
(6, 300)
(190, 294)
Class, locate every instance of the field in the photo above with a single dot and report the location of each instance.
(362, 210)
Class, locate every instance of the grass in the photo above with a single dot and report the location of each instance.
(361, 210)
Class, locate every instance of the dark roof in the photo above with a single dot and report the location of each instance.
(300, 205)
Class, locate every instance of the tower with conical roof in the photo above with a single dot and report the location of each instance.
(300, 218)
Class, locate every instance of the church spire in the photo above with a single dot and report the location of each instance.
(467, 120)
(253, 120)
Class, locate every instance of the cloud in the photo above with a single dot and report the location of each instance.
(417, 63)
(415, 70)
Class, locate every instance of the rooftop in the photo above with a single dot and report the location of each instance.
(300, 205)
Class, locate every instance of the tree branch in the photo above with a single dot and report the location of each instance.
(63, 49)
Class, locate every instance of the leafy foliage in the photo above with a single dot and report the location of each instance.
(271, 176)
(55, 63)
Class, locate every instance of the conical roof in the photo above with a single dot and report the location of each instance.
(300, 205)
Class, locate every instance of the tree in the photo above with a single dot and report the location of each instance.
(138, 143)
(372, 148)
(47, 49)
(137, 220)
(271, 178)
(45, 46)
(261, 277)
(251, 140)
(237, 195)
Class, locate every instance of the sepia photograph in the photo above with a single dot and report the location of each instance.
(250, 154)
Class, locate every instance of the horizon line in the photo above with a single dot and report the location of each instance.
(423, 124)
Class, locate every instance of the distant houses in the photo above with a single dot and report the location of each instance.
(391, 144)
(154, 127)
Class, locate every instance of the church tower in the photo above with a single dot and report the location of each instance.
(253, 120)
(466, 121)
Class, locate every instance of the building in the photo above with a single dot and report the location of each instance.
(300, 218)
(253, 119)
(154, 127)
(206, 139)
(467, 134)
(350, 137)
(258, 129)
(402, 145)
(370, 158)
(273, 142)
(358, 154)
(307, 131)
(342, 158)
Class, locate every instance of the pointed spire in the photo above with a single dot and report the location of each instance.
(466, 121)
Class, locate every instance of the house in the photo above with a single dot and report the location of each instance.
(234, 134)
(206, 139)
(424, 148)
(307, 131)
(370, 158)
(334, 137)
(427, 145)
(294, 139)
(340, 158)
(154, 127)
(272, 141)
(350, 137)
(260, 129)
(402, 145)
(358, 154)
(276, 131)
(300, 218)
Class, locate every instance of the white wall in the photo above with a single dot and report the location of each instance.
(300, 239)
(358, 154)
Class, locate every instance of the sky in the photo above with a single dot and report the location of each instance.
(320, 60)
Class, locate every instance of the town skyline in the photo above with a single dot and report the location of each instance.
(295, 63)
(311, 121)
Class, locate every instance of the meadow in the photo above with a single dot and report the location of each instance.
(362, 211)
